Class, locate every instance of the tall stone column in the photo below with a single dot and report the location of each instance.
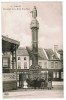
(34, 27)
(35, 69)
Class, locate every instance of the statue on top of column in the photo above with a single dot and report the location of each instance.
(34, 12)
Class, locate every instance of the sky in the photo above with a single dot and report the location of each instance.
(16, 19)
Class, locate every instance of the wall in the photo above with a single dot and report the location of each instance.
(9, 85)
(56, 70)
(58, 67)
(22, 61)
(9, 81)
(42, 64)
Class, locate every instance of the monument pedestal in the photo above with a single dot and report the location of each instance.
(34, 72)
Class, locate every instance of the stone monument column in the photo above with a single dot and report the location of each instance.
(35, 69)
(34, 28)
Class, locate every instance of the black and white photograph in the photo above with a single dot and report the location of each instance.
(32, 49)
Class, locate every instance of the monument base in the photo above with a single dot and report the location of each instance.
(34, 72)
(25, 85)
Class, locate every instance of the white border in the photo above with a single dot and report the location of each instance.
(27, 0)
(0, 58)
(64, 42)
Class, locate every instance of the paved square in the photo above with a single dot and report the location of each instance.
(35, 93)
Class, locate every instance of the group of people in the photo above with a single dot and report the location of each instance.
(37, 83)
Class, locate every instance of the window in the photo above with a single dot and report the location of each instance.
(52, 57)
(57, 74)
(56, 64)
(19, 65)
(25, 65)
(45, 64)
(24, 58)
(40, 63)
(5, 62)
(52, 64)
(54, 75)
(18, 58)
(61, 75)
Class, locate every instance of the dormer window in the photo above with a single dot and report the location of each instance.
(53, 57)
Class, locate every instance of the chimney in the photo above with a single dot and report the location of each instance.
(55, 48)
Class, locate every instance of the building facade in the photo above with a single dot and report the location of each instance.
(48, 59)
(54, 64)
(22, 59)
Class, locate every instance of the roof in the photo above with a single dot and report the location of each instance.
(9, 44)
(4, 38)
(60, 52)
(51, 54)
(22, 52)
(41, 54)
